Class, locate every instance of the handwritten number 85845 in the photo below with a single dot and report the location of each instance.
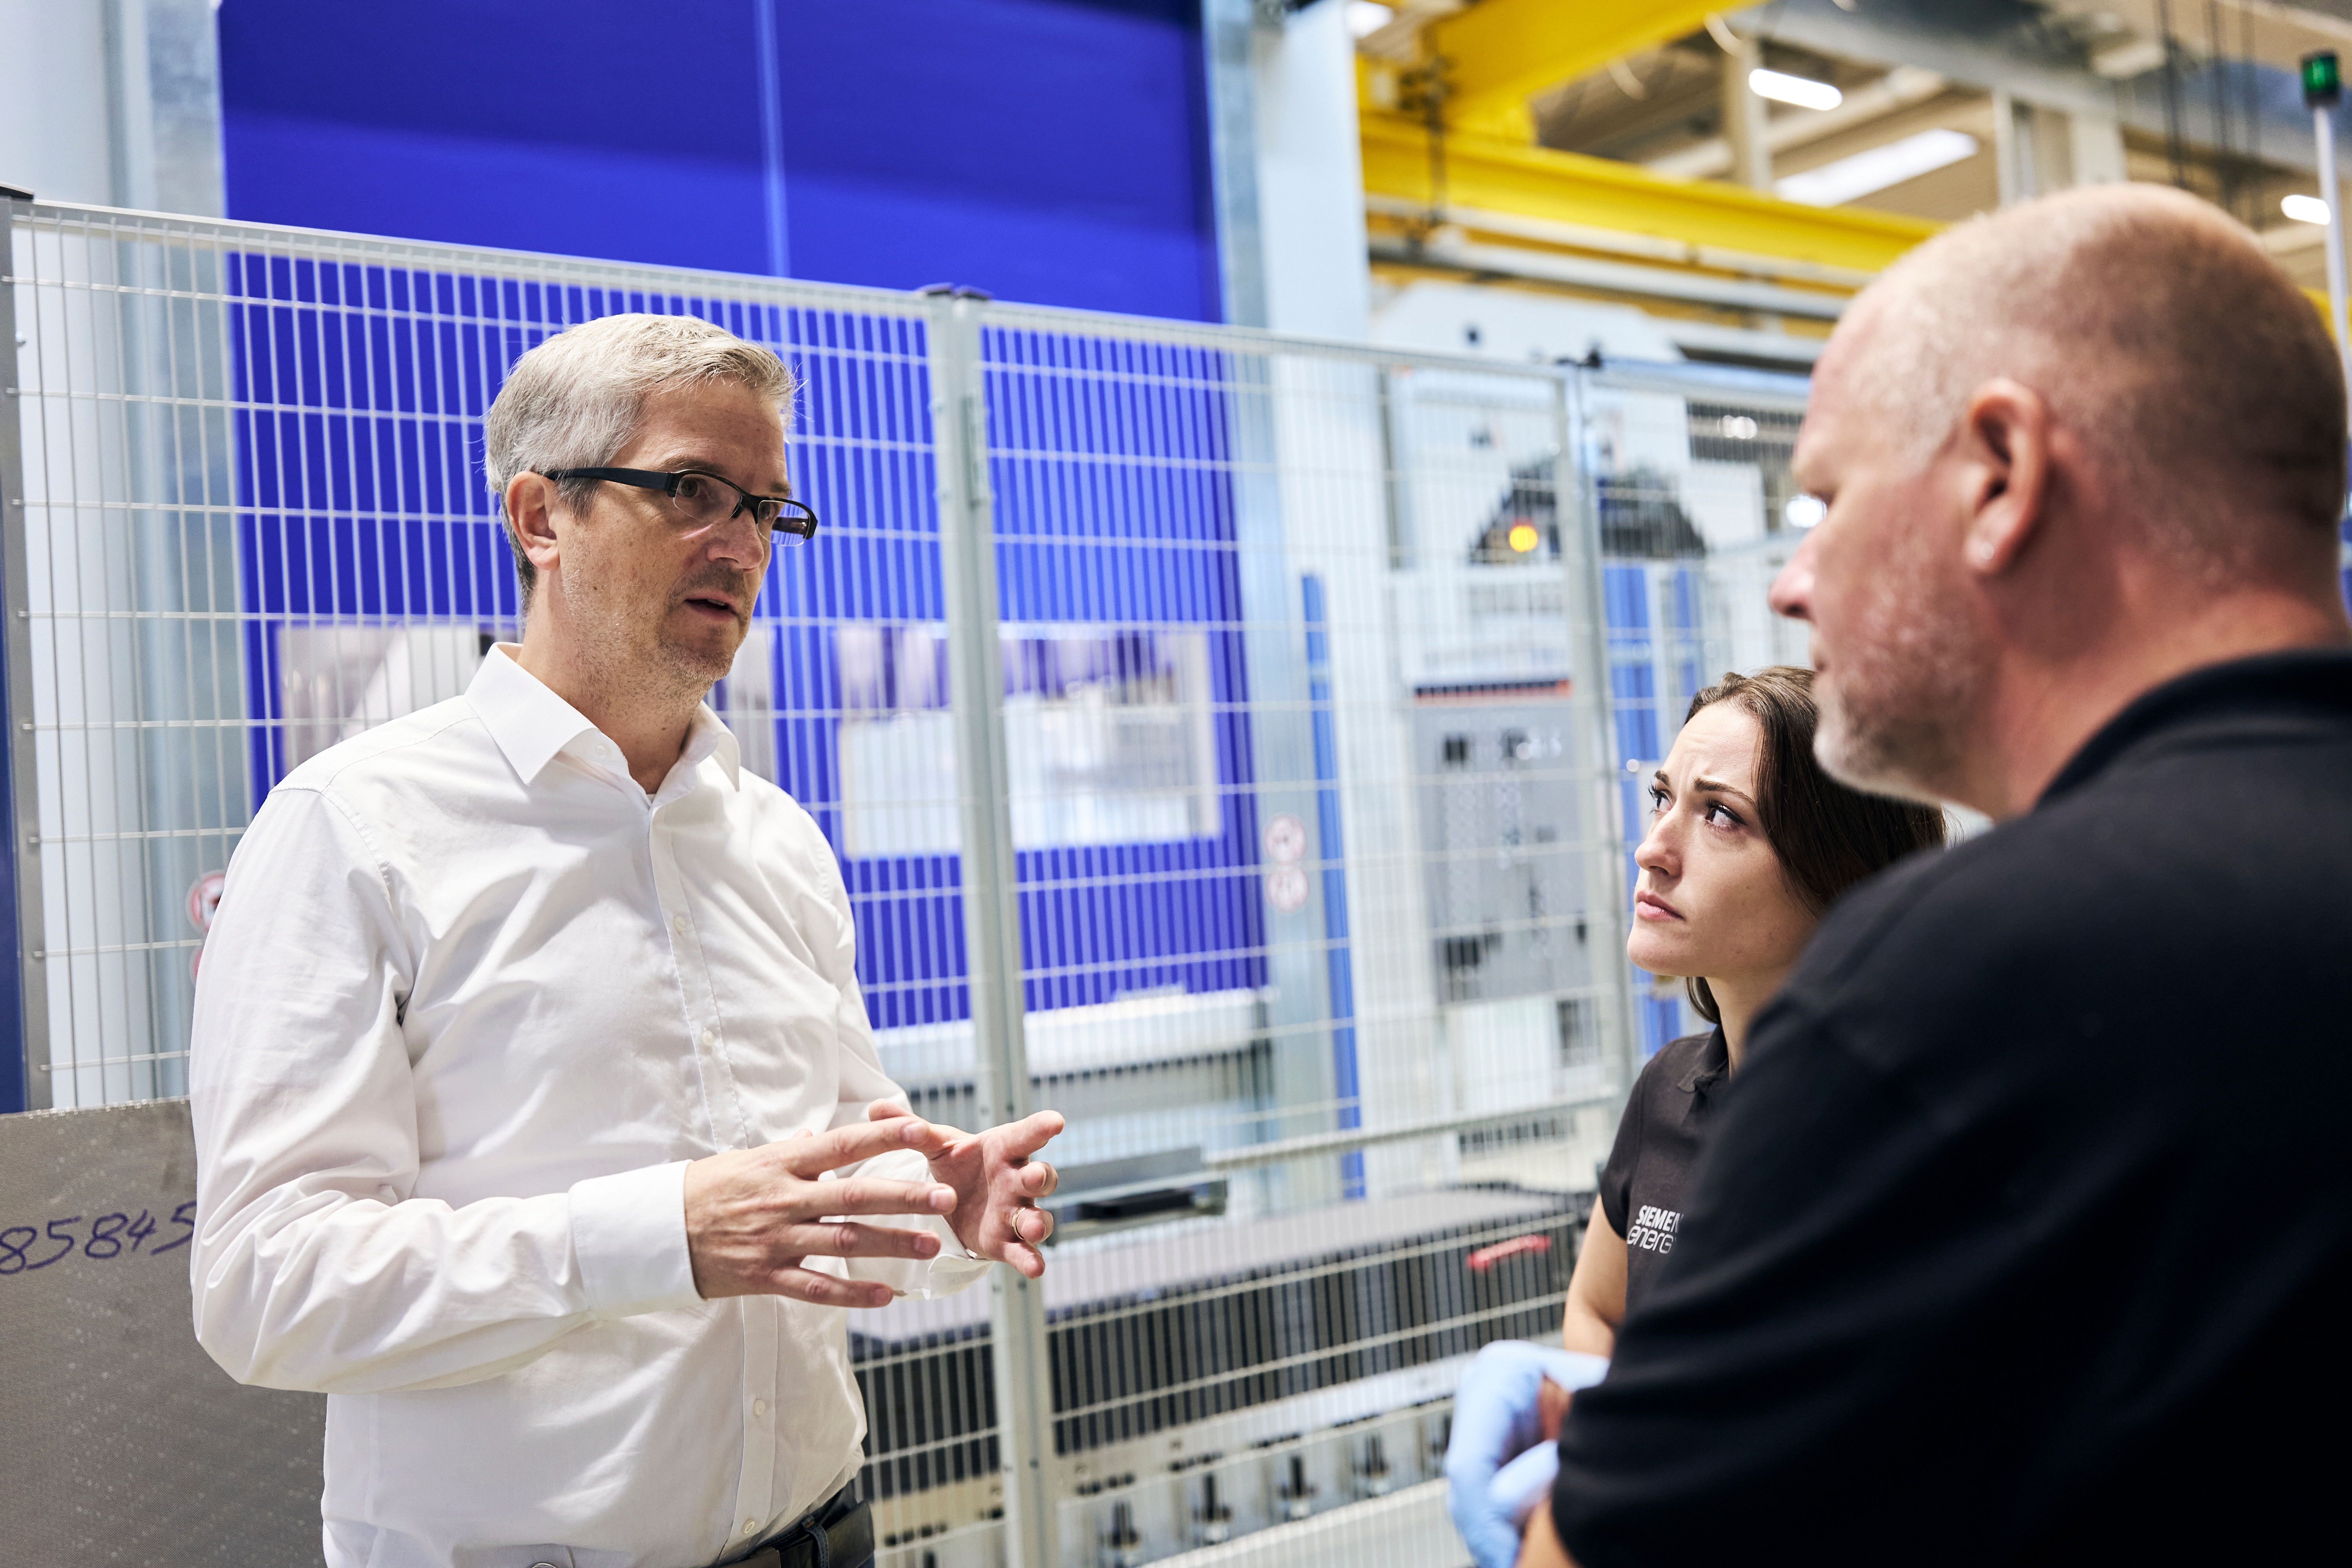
(107, 1233)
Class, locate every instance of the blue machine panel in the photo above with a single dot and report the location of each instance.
(1113, 500)
(361, 500)
(1051, 151)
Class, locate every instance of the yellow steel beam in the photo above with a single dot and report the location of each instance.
(1500, 53)
(1569, 188)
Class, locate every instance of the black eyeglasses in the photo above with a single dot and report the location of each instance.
(704, 498)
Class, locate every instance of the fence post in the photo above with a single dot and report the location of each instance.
(992, 912)
(23, 809)
(1575, 505)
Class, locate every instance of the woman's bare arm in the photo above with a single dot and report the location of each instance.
(1596, 1291)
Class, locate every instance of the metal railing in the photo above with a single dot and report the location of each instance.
(1224, 736)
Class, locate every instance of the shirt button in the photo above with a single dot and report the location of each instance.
(750, 1525)
(759, 1407)
(677, 924)
(709, 1038)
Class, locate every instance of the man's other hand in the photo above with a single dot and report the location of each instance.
(1499, 1418)
(996, 1183)
(753, 1215)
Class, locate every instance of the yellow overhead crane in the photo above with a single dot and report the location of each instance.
(1495, 55)
(1501, 53)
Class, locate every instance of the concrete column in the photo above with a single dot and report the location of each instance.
(2039, 150)
(1743, 118)
(2095, 146)
(2012, 148)
(114, 103)
(1228, 28)
(1310, 177)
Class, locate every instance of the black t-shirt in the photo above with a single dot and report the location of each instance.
(1648, 1175)
(2028, 1236)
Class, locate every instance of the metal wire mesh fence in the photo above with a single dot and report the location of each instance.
(1225, 740)
(1692, 494)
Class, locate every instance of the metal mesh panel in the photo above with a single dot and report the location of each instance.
(253, 522)
(1310, 674)
(1300, 982)
(1689, 483)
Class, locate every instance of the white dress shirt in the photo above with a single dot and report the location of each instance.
(471, 1002)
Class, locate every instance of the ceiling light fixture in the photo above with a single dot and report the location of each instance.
(2304, 209)
(1802, 91)
(1877, 168)
(1804, 511)
(1365, 19)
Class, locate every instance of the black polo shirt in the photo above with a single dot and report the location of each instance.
(2028, 1236)
(1644, 1185)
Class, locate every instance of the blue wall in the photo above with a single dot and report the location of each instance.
(1048, 151)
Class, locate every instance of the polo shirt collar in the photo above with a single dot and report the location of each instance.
(1714, 1061)
(532, 726)
(2297, 687)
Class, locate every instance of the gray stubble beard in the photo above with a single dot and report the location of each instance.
(672, 675)
(1893, 719)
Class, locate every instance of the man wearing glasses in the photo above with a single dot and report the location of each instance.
(538, 1119)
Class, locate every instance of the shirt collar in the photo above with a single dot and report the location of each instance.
(2219, 702)
(532, 725)
(710, 738)
(1714, 1061)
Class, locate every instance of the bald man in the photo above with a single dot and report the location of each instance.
(2027, 1234)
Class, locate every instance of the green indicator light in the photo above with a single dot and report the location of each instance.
(2323, 79)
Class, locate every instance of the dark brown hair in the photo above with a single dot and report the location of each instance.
(1827, 837)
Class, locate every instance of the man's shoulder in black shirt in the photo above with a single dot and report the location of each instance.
(2024, 1236)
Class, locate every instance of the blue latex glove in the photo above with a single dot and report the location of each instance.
(1497, 1467)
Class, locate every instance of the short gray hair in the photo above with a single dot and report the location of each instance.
(577, 399)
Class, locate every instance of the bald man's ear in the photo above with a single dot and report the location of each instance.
(530, 501)
(2005, 455)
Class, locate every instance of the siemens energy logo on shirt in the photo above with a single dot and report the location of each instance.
(1654, 1228)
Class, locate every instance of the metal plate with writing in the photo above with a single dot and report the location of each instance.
(123, 1441)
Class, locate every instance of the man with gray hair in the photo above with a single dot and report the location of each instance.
(2026, 1235)
(538, 1119)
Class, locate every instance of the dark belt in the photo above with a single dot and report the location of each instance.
(836, 1533)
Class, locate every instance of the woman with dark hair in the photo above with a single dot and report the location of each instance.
(1748, 844)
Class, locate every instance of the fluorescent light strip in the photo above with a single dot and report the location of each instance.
(2304, 209)
(1876, 169)
(1802, 91)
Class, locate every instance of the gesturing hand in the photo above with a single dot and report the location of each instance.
(753, 1215)
(996, 1183)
